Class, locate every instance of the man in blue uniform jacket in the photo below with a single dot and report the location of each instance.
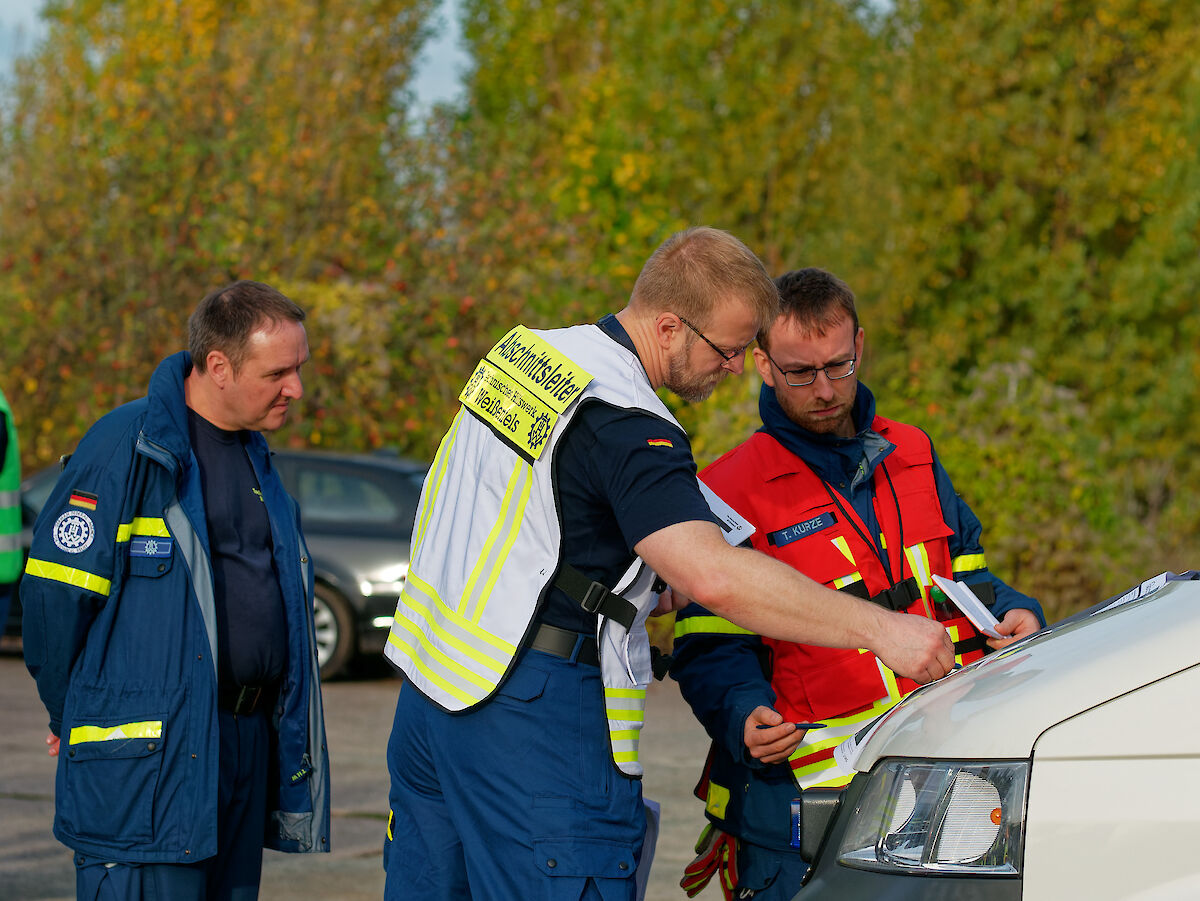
(168, 623)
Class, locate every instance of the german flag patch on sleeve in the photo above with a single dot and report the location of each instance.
(659, 442)
(83, 499)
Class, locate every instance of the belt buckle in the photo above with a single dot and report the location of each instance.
(594, 597)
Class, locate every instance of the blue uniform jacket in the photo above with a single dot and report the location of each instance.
(722, 675)
(120, 634)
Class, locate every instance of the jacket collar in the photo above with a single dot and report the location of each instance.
(837, 460)
(166, 414)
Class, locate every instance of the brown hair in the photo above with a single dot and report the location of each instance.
(815, 300)
(695, 271)
(227, 317)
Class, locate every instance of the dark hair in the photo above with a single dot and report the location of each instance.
(814, 299)
(696, 270)
(227, 317)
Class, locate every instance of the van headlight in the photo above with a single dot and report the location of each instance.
(934, 817)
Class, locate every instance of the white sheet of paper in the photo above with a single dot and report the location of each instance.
(973, 609)
(847, 753)
(1146, 588)
(734, 527)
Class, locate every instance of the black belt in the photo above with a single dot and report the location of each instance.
(244, 700)
(562, 643)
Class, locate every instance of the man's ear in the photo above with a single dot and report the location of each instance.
(219, 369)
(765, 369)
(666, 329)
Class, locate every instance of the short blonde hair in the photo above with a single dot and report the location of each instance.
(695, 271)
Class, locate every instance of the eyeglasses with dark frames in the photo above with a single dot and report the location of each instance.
(727, 357)
(802, 378)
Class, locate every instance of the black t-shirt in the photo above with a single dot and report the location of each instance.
(251, 623)
(622, 475)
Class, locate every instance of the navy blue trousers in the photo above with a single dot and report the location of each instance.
(517, 799)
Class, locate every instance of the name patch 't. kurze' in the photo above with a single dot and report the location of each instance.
(801, 530)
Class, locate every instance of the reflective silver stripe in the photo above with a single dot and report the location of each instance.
(10, 498)
(10, 543)
(625, 709)
(193, 552)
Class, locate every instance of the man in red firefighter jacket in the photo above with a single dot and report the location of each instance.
(853, 500)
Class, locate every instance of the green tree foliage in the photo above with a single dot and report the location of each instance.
(1010, 187)
(1036, 214)
(155, 151)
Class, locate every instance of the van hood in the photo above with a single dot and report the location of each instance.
(998, 706)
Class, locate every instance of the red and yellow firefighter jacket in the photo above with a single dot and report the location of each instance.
(806, 523)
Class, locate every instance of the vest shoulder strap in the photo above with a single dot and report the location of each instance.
(594, 597)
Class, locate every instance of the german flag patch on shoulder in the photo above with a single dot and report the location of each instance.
(83, 499)
(660, 442)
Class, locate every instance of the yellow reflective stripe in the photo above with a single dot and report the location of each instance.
(918, 565)
(432, 675)
(434, 486)
(145, 729)
(882, 542)
(844, 546)
(889, 679)
(508, 524)
(718, 800)
(624, 692)
(843, 778)
(624, 744)
(56, 572)
(701, 625)
(847, 580)
(625, 714)
(826, 763)
(626, 704)
(967, 563)
(474, 632)
(142, 525)
(955, 635)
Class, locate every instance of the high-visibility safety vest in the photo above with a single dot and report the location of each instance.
(488, 532)
(10, 502)
(807, 525)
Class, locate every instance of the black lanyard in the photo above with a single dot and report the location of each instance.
(852, 518)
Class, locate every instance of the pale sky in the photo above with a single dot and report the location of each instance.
(439, 67)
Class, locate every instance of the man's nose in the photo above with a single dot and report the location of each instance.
(293, 386)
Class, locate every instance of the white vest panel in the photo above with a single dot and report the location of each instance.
(487, 542)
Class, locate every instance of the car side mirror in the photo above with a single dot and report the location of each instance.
(818, 807)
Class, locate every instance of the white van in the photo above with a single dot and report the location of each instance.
(1065, 766)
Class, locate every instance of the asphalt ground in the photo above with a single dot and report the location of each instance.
(358, 717)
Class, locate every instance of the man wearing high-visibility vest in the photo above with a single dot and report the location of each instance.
(10, 509)
(860, 503)
(562, 487)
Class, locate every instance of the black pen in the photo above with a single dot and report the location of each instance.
(797, 725)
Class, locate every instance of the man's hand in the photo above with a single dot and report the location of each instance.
(52, 744)
(670, 601)
(914, 646)
(773, 745)
(1017, 623)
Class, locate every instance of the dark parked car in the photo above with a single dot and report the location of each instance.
(357, 511)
